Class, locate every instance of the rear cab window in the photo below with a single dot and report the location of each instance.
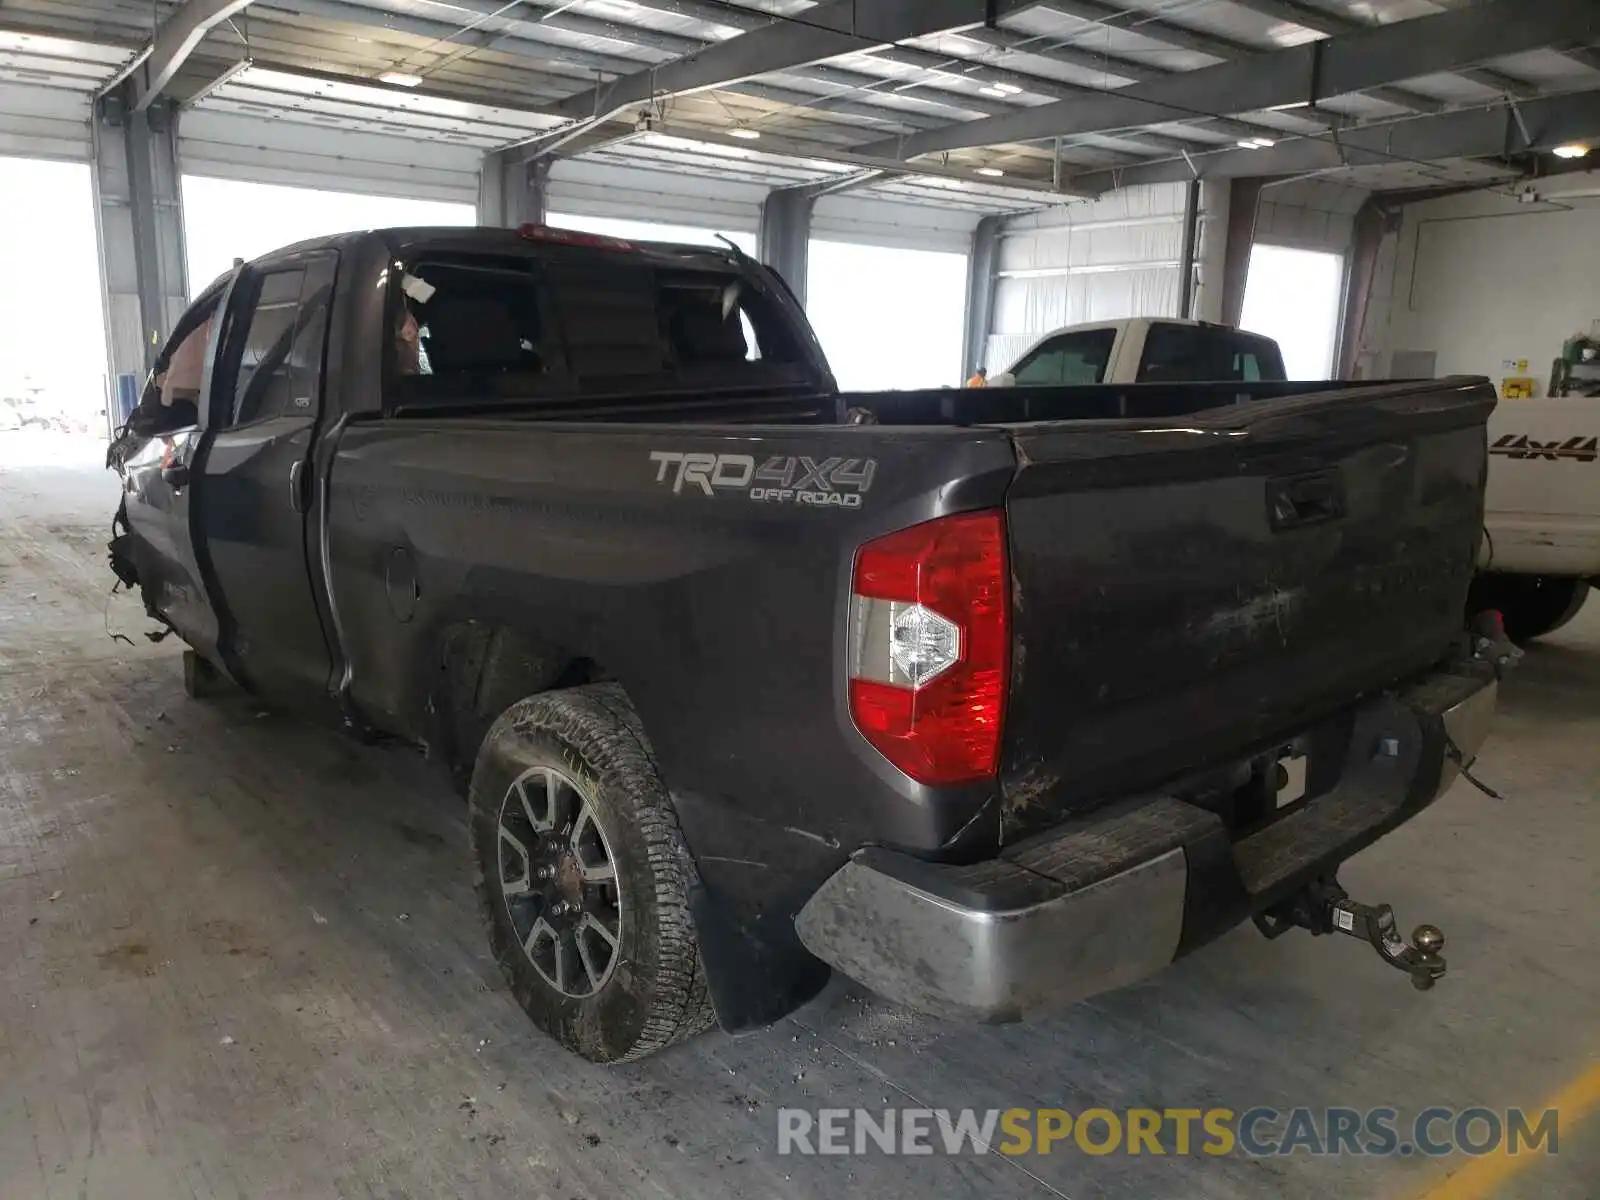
(1207, 353)
(469, 327)
(1073, 358)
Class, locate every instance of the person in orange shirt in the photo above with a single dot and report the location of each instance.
(980, 379)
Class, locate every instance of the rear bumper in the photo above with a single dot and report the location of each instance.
(1116, 895)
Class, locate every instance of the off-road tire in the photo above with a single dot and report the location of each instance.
(656, 994)
(1530, 606)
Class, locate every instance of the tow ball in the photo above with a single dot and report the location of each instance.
(1324, 907)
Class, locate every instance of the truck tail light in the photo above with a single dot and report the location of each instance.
(930, 646)
(572, 237)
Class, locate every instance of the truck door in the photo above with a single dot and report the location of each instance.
(161, 459)
(256, 482)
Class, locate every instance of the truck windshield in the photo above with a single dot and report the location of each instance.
(1208, 354)
(470, 327)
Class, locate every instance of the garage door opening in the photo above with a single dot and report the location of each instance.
(226, 219)
(52, 321)
(1294, 296)
(886, 317)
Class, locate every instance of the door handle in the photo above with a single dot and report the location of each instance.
(297, 494)
(1305, 500)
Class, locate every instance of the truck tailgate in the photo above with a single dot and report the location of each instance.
(1187, 590)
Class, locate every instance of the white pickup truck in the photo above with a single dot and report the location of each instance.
(1145, 350)
(1541, 543)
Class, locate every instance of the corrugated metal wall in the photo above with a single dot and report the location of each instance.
(1116, 256)
(638, 193)
(37, 122)
(627, 193)
(300, 154)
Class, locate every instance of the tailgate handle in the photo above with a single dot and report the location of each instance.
(1299, 500)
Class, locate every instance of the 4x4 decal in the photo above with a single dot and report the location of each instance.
(1520, 445)
(781, 479)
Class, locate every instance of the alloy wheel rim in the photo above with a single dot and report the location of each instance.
(558, 882)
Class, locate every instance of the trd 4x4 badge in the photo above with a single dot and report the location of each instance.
(781, 479)
(1520, 445)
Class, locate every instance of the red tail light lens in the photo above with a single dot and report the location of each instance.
(572, 237)
(930, 646)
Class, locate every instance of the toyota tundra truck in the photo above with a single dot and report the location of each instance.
(990, 700)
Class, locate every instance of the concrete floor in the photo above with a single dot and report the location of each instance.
(238, 958)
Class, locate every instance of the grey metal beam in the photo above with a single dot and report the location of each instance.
(510, 33)
(1119, 16)
(981, 73)
(1349, 62)
(983, 276)
(511, 190)
(1182, 36)
(842, 105)
(1468, 133)
(1053, 48)
(783, 238)
(926, 90)
(1048, 47)
(176, 38)
(1244, 205)
(1191, 239)
(140, 226)
(825, 31)
(1323, 21)
(791, 148)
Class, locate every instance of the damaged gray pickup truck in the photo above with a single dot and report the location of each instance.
(991, 700)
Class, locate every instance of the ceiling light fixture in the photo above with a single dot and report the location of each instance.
(994, 91)
(1009, 89)
(744, 133)
(403, 79)
(991, 172)
(1256, 143)
(1571, 150)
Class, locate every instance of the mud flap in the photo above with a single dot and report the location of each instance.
(754, 981)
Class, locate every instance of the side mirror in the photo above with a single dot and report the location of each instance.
(176, 476)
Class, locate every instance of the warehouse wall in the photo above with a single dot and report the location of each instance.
(40, 122)
(230, 146)
(662, 197)
(1483, 281)
(1118, 255)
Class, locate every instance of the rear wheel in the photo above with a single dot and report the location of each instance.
(1530, 605)
(583, 878)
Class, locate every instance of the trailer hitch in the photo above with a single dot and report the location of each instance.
(1322, 906)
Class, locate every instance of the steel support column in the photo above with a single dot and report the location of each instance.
(1186, 259)
(512, 189)
(783, 241)
(983, 277)
(1243, 201)
(1375, 224)
(139, 217)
